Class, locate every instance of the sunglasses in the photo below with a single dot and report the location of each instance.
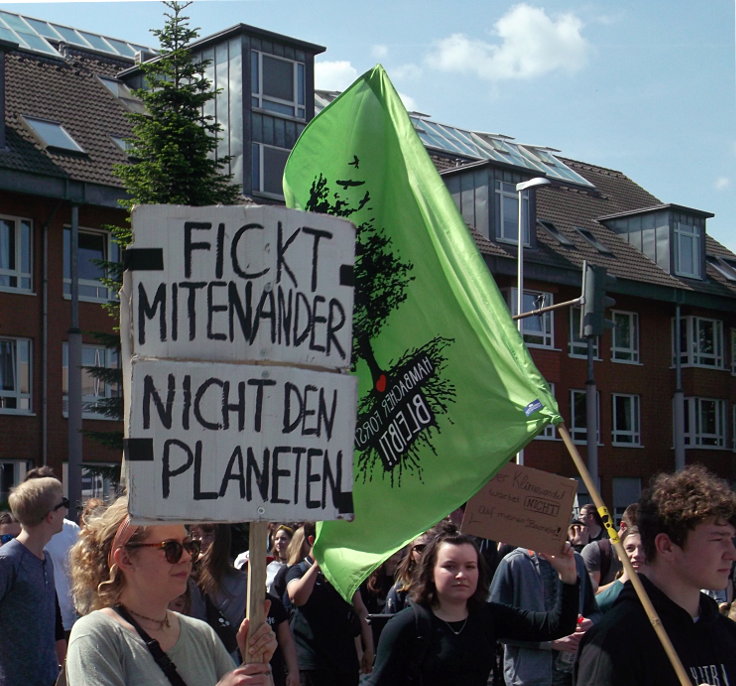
(64, 503)
(173, 549)
(4, 538)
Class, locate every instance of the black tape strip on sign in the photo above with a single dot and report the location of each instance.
(344, 502)
(138, 449)
(143, 259)
(346, 275)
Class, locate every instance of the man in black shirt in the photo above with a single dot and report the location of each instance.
(686, 522)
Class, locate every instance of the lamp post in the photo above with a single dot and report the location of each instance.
(520, 188)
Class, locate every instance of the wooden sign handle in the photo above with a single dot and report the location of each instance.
(256, 581)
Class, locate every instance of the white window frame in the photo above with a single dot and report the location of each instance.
(17, 267)
(507, 197)
(12, 472)
(549, 433)
(259, 150)
(694, 434)
(20, 395)
(688, 233)
(293, 107)
(92, 356)
(692, 356)
(578, 421)
(537, 331)
(620, 352)
(626, 437)
(90, 290)
(578, 347)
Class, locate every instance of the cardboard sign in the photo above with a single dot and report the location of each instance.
(241, 283)
(236, 335)
(522, 506)
(227, 442)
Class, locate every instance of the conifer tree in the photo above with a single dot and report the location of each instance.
(173, 159)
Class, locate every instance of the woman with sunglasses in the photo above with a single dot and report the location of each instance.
(124, 577)
(448, 635)
(398, 595)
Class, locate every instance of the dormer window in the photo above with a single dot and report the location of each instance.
(507, 228)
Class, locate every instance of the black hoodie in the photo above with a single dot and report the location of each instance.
(623, 649)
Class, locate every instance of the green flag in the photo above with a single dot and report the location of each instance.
(447, 390)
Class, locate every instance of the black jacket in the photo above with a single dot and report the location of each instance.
(623, 650)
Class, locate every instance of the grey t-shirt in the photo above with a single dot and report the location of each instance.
(27, 617)
(102, 652)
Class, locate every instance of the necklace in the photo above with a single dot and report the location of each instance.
(460, 630)
(161, 622)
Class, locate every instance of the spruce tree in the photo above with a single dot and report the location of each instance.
(173, 159)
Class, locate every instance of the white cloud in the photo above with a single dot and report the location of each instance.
(407, 72)
(334, 76)
(722, 183)
(408, 101)
(379, 51)
(530, 44)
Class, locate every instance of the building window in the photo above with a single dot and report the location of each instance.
(705, 423)
(538, 331)
(508, 213)
(688, 248)
(578, 347)
(15, 254)
(625, 338)
(549, 433)
(11, 473)
(94, 247)
(733, 351)
(15, 375)
(701, 342)
(53, 135)
(268, 170)
(626, 424)
(278, 85)
(578, 418)
(94, 389)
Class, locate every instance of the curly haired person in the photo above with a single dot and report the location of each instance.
(687, 524)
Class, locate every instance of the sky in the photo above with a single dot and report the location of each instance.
(644, 87)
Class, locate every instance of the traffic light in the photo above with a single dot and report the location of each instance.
(595, 302)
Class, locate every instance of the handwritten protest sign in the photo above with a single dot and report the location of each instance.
(522, 506)
(236, 330)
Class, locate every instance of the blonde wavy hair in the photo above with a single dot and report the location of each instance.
(95, 584)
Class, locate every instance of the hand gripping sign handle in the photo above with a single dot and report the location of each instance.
(654, 619)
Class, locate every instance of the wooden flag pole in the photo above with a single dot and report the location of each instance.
(616, 541)
(256, 582)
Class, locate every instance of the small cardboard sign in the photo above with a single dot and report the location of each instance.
(524, 507)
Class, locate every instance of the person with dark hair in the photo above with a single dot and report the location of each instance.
(592, 520)
(687, 521)
(447, 636)
(219, 597)
(333, 639)
(398, 594)
(631, 541)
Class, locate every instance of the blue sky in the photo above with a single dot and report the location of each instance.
(647, 88)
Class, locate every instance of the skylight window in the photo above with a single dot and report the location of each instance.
(723, 266)
(588, 236)
(53, 135)
(555, 232)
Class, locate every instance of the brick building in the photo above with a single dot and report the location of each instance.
(64, 98)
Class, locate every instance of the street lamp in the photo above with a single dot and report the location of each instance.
(520, 188)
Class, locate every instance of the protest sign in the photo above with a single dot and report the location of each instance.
(522, 506)
(236, 328)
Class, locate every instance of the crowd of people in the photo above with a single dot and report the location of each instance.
(112, 603)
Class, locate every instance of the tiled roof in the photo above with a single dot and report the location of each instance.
(69, 93)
